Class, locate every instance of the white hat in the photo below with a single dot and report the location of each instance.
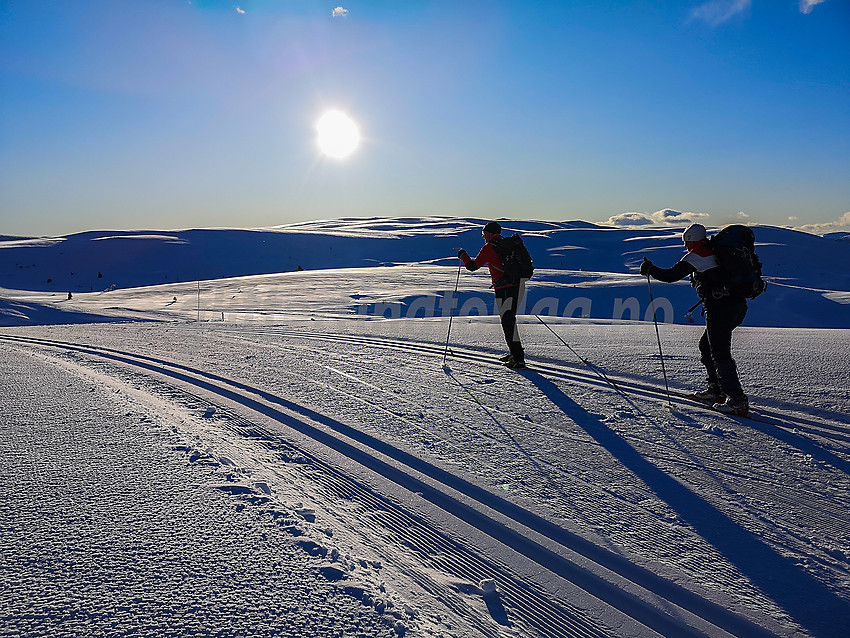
(694, 232)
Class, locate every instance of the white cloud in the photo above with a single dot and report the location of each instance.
(841, 224)
(340, 12)
(716, 12)
(806, 6)
(629, 219)
(665, 217)
(793, 218)
(743, 215)
(240, 10)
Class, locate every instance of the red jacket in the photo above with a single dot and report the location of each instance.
(487, 255)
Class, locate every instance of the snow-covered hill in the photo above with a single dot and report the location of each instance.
(583, 270)
(338, 451)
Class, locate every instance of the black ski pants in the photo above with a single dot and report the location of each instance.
(507, 303)
(715, 346)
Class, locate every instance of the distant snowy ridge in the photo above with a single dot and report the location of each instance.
(583, 269)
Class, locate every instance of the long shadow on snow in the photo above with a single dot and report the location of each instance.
(513, 440)
(773, 427)
(803, 597)
(641, 611)
(601, 588)
(614, 595)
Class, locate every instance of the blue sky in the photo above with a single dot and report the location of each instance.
(169, 114)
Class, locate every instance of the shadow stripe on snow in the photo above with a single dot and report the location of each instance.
(527, 601)
(622, 385)
(605, 590)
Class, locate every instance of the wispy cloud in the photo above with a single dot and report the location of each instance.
(806, 6)
(842, 224)
(665, 217)
(340, 12)
(716, 12)
(239, 10)
(743, 215)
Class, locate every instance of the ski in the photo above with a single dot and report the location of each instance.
(508, 361)
(512, 365)
(710, 405)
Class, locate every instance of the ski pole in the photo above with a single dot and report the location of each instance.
(592, 367)
(658, 336)
(600, 373)
(452, 314)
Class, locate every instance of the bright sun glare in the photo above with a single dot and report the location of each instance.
(337, 134)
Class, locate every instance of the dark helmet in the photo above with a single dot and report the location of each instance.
(493, 227)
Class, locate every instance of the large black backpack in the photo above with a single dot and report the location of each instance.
(735, 250)
(515, 259)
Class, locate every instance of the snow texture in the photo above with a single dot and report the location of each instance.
(293, 465)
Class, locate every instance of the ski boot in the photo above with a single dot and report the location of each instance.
(711, 395)
(515, 364)
(739, 406)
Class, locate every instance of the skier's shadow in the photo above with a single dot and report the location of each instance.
(778, 430)
(802, 596)
(512, 439)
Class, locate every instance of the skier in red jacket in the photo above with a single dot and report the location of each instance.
(508, 293)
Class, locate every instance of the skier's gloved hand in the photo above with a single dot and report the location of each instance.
(461, 253)
(645, 266)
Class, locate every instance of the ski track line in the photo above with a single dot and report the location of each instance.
(604, 590)
(816, 450)
(408, 544)
(756, 484)
(838, 426)
(528, 602)
(827, 515)
(720, 465)
(732, 583)
(682, 399)
(628, 388)
(781, 426)
(147, 384)
(408, 531)
(653, 530)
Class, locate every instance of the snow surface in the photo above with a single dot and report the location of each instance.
(301, 463)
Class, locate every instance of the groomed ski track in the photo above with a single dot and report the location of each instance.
(637, 594)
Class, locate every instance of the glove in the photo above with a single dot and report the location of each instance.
(461, 253)
(645, 266)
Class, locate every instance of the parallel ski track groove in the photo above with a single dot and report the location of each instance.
(527, 601)
(416, 534)
(841, 432)
(609, 593)
(827, 515)
(559, 372)
(812, 507)
(342, 486)
(720, 466)
(649, 530)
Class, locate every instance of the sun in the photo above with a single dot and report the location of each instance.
(337, 134)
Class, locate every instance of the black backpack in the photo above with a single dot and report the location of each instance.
(515, 259)
(735, 250)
